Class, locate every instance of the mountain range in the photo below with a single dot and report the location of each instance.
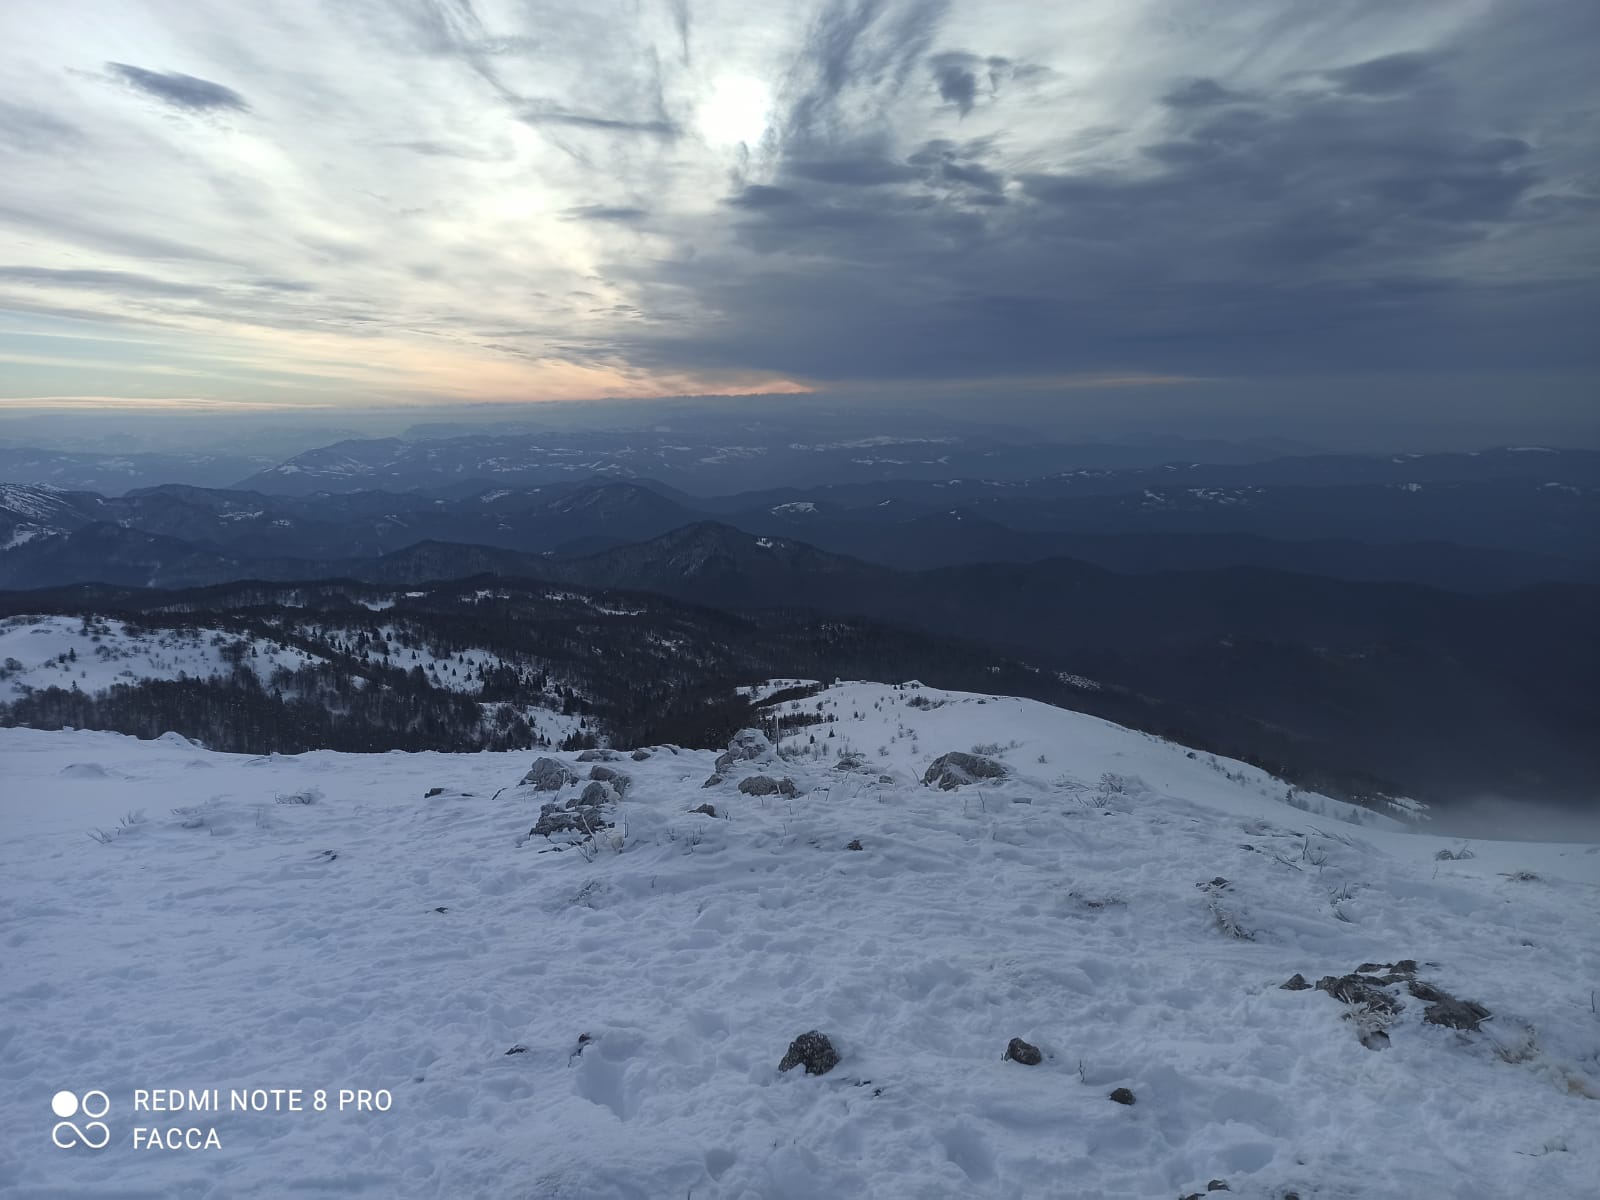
(1429, 691)
(1424, 621)
(1493, 521)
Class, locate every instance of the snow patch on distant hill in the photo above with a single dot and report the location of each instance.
(95, 655)
(22, 534)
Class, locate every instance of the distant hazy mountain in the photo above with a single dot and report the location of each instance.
(113, 474)
(1515, 519)
(711, 459)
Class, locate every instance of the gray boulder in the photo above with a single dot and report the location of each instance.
(956, 769)
(766, 785)
(748, 745)
(572, 817)
(599, 756)
(598, 792)
(584, 815)
(547, 775)
(712, 781)
(1445, 1009)
(620, 781)
(1359, 991)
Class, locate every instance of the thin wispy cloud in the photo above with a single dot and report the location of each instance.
(559, 199)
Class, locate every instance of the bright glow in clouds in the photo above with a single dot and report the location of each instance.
(738, 110)
(379, 203)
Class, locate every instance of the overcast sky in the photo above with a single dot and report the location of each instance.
(364, 202)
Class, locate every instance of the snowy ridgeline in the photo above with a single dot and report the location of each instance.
(93, 655)
(97, 653)
(579, 977)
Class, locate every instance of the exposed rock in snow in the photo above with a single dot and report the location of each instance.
(586, 814)
(597, 792)
(749, 745)
(1019, 1051)
(1359, 991)
(766, 785)
(547, 775)
(1445, 1009)
(620, 781)
(957, 768)
(813, 1051)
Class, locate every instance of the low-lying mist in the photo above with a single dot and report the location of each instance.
(1500, 818)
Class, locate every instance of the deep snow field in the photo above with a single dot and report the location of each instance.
(607, 1019)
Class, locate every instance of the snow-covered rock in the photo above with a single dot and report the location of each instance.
(957, 768)
(547, 775)
(766, 785)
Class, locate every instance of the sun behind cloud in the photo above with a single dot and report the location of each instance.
(738, 110)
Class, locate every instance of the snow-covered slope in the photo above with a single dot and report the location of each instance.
(605, 1018)
(56, 651)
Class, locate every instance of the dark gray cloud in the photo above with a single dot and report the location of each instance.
(943, 163)
(757, 196)
(962, 77)
(864, 51)
(546, 112)
(1361, 222)
(603, 212)
(180, 91)
(1386, 76)
(958, 83)
(852, 170)
(1200, 93)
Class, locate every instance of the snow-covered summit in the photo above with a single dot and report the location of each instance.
(601, 1011)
